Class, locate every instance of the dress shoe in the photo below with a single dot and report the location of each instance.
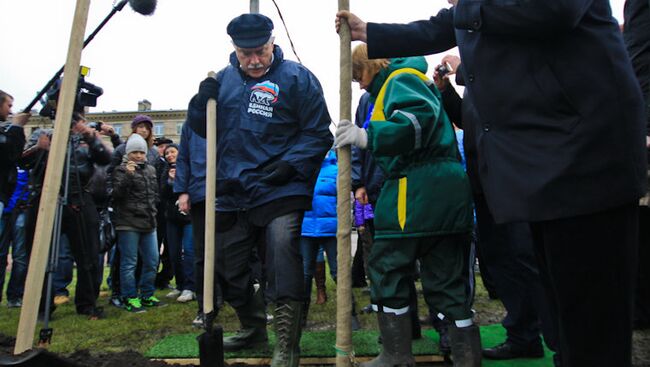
(508, 350)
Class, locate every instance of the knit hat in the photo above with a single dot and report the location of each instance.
(172, 145)
(136, 143)
(141, 118)
(250, 30)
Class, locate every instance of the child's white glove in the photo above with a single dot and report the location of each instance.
(348, 133)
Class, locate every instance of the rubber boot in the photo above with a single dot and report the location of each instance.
(319, 276)
(305, 313)
(395, 333)
(354, 320)
(252, 317)
(466, 350)
(288, 317)
(442, 327)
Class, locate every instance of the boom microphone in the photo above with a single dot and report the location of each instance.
(144, 7)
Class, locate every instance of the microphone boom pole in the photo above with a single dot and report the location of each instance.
(57, 75)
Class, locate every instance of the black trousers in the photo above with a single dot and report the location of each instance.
(197, 215)
(642, 296)
(80, 222)
(166, 273)
(509, 256)
(588, 267)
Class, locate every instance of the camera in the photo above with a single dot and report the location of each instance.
(87, 94)
(97, 125)
(444, 69)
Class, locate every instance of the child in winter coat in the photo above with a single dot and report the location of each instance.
(424, 210)
(135, 194)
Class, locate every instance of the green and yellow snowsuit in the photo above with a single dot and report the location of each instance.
(424, 210)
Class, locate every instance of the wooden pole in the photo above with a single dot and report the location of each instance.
(254, 6)
(344, 354)
(52, 183)
(210, 198)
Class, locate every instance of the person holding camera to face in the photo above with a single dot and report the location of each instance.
(135, 197)
(80, 220)
(179, 231)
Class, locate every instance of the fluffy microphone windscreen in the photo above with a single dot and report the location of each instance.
(145, 7)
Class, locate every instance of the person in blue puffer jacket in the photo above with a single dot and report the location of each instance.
(319, 230)
(319, 224)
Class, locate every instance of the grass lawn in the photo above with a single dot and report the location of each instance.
(122, 331)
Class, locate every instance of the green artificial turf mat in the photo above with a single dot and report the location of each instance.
(493, 335)
(321, 344)
(312, 344)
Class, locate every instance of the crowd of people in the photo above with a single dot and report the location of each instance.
(537, 171)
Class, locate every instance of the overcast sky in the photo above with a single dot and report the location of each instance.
(163, 57)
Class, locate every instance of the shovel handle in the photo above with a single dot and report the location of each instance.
(210, 199)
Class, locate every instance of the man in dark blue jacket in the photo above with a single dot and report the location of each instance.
(559, 119)
(190, 184)
(637, 39)
(272, 134)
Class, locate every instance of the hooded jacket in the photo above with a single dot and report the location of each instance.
(135, 197)
(320, 221)
(280, 116)
(190, 165)
(426, 191)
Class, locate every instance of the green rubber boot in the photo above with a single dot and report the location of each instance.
(252, 334)
(395, 333)
(288, 320)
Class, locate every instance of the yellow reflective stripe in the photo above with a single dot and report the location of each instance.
(401, 202)
(378, 115)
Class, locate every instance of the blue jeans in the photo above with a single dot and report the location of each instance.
(309, 247)
(131, 244)
(16, 239)
(62, 276)
(181, 254)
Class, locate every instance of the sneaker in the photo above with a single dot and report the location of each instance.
(186, 296)
(173, 294)
(116, 301)
(134, 305)
(199, 321)
(18, 303)
(61, 299)
(152, 302)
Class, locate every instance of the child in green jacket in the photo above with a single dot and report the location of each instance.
(424, 210)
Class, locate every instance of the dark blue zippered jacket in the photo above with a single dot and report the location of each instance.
(190, 165)
(280, 116)
(320, 221)
(365, 172)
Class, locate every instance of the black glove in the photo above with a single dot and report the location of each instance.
(278, 172)
(209, 88)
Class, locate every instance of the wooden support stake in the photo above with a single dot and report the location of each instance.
(52, 183)
(210, 198)
(344, 353)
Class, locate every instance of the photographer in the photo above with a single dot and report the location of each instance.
(80, 221)
(106, 130)
(12, 140)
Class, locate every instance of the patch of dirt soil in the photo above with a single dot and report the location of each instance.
(81, 358)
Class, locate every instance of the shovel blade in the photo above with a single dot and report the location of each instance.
(35, 358)
(211, 348)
